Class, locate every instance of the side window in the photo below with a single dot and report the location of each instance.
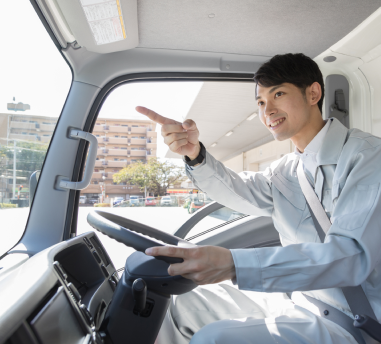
(33, 88)
(213, 221)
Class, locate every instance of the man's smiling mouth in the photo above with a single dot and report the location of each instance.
(275, 124)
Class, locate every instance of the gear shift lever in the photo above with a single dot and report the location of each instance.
(139, 292)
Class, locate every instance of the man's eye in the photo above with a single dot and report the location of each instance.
(260, 103)
(278, 94)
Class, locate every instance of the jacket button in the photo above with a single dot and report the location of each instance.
(326, 312)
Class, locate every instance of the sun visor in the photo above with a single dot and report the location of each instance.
(102, 26)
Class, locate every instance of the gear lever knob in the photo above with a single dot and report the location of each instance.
(139, 292)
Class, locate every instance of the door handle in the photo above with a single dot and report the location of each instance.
(64, 182)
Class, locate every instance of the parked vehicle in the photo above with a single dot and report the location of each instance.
(82, 199)
(166, 201)
(92, 200)
(150, 201)
(118, 200)
(134, 201)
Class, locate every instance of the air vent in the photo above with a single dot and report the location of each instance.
(97, 245)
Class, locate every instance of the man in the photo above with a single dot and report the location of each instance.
(342, 167)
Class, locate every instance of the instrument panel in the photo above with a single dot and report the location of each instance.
(72, 308)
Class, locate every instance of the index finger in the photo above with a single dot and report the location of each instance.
(153, 116)
(167, 251)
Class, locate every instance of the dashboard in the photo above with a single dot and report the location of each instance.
(59, 295)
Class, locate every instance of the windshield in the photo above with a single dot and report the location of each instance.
(134, 163)
(35, 81)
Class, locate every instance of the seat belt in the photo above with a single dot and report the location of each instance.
(355, 296)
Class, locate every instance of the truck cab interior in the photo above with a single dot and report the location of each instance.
(59, 280)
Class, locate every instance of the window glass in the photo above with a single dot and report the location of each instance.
(214, 220)
(145, 182)
(35, 81)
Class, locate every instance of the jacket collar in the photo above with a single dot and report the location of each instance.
(333, 143)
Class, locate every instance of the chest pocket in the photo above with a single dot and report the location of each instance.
(356, 206)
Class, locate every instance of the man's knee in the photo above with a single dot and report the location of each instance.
(214, 333)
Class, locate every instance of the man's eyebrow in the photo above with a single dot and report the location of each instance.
(271, 91)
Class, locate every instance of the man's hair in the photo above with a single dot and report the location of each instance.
(296, 69)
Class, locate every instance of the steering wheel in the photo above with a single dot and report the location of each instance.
(135, 234)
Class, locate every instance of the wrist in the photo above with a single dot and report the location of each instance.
(197, 152)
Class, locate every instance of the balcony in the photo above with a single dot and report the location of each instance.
(46, 138)
(151, 145)
(138, 130)
(110, 128)
(22, 125)
(102, 151)
(47, 127)
(138, 141)
(24, 137)
(99, 175)
(151, 134)
(98, 128)
(110, 163)
(117, 152)
(112, 140)
(138, 153)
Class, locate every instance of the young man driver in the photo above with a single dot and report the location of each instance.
(343, 167)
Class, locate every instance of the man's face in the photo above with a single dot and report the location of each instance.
(283, 109)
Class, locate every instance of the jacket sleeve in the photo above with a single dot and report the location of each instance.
(351, 249)
(247, 192)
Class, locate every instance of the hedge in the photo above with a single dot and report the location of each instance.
(7, 205)
(101, 204)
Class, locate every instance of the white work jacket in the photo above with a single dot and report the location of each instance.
(349, 189)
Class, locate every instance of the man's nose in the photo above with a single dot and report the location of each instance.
(270, 109)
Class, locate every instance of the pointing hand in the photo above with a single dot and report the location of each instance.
(181, 138)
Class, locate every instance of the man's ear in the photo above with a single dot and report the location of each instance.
(314, 94)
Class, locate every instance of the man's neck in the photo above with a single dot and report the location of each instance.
(307, 134)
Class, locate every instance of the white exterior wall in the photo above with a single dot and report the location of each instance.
(262, 155)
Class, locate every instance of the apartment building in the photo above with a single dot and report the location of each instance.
(23, 127)
(16, 128)
(121, 142)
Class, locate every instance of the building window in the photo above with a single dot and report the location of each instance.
(115, 159)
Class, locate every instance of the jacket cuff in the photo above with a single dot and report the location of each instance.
(205, 170)
(248, 269)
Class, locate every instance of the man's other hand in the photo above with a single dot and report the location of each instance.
(181, 138)
(202, 264)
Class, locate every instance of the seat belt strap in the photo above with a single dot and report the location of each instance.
(355, 296)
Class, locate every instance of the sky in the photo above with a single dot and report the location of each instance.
(33, 71)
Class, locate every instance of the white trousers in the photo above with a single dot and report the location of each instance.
(222, 314)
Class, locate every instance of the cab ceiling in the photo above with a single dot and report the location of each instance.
(251, 27)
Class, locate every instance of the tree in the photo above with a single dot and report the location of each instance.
(154, 175)
(29, 157)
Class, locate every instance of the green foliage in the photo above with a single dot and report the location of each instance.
(7, 205)
(29, 158)
(101, 204)
(154, 175)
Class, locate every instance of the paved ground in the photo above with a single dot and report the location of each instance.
(12, 224)
(165, 219)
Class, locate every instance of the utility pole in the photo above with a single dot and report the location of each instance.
(14, 170)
